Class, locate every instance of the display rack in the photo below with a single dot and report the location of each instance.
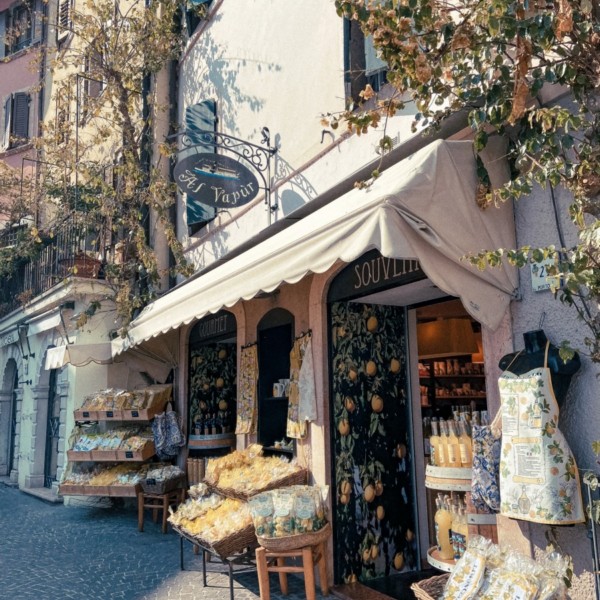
(114, 417)
(458, 480)
(459, 380)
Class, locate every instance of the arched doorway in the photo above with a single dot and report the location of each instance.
(9, 398)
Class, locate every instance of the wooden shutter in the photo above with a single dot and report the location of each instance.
(3, 19)
(37, 21)
(7, 120)
(20, 117)
(63, 19)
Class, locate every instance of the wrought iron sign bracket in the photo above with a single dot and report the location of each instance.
(229, 152)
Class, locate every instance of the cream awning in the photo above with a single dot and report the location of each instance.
(423, 207)
(78, 355)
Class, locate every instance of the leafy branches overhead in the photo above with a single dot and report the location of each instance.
(104, 163)
(502, 61)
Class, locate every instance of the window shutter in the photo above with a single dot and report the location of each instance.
(63, 19)
(3, 18)
(20, 125)
(7, 120)
(200, 118)
(37, 20)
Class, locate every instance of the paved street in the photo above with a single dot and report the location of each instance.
(56, 552)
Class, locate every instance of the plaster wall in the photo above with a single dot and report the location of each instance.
(538, 226)
(278, 65)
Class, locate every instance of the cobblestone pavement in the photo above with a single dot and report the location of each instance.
(87, 552)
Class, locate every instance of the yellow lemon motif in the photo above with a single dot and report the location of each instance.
(369, 493)
(377, 403)
(398, 561)
(372, 324)
(344, 427)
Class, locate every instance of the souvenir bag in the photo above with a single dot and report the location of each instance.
(485, 482)
(168, 437)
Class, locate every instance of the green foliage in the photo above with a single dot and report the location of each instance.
(103, 167)
(492, 60)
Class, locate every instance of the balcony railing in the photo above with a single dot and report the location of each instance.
(58, 258)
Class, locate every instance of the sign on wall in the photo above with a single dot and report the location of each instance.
(216, 180)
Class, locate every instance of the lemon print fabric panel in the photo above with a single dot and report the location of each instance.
(373, 502)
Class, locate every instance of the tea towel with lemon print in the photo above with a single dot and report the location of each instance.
(247, 390)
(302, 398)
(539, 481)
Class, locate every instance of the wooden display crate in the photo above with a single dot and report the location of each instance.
(104, 455)
(116, 491)
(114, 414)
(142, 414)
(79, 456)
(145, 453)
(86, 415)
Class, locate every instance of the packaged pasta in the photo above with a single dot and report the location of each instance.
(516, 579)
(283, 513)
(468, 574)
(261, 509)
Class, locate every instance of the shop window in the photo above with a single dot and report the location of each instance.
(195, 13)
(16, 120)
(362, 64)
(212, 383)
(92, 85)
(275, 341)
(20, 27)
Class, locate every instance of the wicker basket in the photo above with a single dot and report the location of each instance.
(292, 542)
(430, 589)
(229, 546)
(162, 486)
(298, 478)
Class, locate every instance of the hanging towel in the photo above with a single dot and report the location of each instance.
(248, 378)
(302, 403)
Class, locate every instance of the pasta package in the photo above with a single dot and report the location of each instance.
(468, 574)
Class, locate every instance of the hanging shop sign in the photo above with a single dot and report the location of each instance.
(373, 272)
(216, 180)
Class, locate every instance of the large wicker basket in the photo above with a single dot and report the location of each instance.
(292, 542)
(430, 589)
(228, 546)
(298, 478)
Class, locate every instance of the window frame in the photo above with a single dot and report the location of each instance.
(11, 137)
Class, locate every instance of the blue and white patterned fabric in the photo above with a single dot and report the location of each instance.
(485, 490)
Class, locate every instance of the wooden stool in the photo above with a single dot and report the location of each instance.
(158, 502)
(268, 561)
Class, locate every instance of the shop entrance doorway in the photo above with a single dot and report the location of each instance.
(52, 432)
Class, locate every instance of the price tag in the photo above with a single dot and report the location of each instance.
(128, 454)
(86, 414)
(135, 413)
(109, 414)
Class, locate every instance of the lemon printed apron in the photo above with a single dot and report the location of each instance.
(539, 481)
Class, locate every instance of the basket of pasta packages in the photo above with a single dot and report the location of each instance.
(487, 571)
(291, 517)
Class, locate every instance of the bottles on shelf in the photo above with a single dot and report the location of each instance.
(451, 529)
(449, 442)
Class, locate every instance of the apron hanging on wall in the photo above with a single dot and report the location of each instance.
(539, 481)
